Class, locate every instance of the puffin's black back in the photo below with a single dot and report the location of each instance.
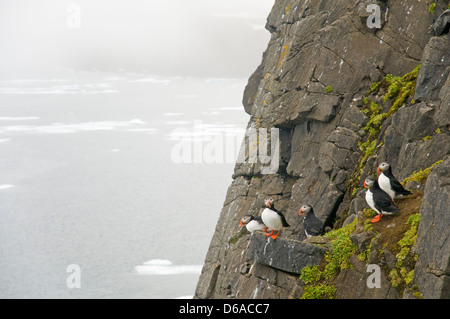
(395, 184)
(382, 201)
(257, 218)
(312, 224)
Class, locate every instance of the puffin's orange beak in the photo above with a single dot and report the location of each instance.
(379, 170)
(268, 204)
(365, 185)
(300, 212)
(241, 224)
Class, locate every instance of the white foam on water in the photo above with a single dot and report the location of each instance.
(3, 140)
(6, 186)
(185, 297)
(164, 267)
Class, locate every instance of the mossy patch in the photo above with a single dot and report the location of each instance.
(432, 7)
(403, 273)
(319, 291)
(319, 279)
(420, 176)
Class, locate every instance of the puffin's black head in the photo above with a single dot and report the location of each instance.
(368, 182)
(382, 167)
(304, 210)
(269, 202)
(245, 220)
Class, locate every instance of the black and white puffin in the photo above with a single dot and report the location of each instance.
(273, 219)
(379, 200)
(388, 182)
(311, 223)
(253, 223)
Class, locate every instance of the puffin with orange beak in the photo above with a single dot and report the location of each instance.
(379, 200)
(388, 182)
(273, 219)
(253, 223)
(311, 223)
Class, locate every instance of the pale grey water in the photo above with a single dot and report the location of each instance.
(87, 178)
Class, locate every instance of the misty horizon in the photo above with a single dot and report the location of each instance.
(200, 38)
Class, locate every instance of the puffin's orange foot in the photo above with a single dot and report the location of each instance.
(275, 236)
(265, 230)
(269, 234)
(377, 218)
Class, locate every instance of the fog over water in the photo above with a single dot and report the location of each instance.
(180, 37)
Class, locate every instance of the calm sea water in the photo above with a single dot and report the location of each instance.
(88, 177)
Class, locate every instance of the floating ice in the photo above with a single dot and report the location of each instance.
(6, 186)
(158, 262)
(164, 267)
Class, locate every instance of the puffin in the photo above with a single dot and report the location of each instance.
(379, 200)
(253, 223)
(389, 183)
(273, 219)
(311, 223)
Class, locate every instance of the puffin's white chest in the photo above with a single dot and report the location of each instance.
(385, 184)
(370, 201)
(254, 226)
(271, 219)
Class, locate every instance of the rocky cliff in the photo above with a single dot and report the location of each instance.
(345, 97)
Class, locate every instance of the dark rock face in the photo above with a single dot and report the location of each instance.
(432, 271)
(319, 64)
(442, 24)
(287, 255)
(435, 68)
